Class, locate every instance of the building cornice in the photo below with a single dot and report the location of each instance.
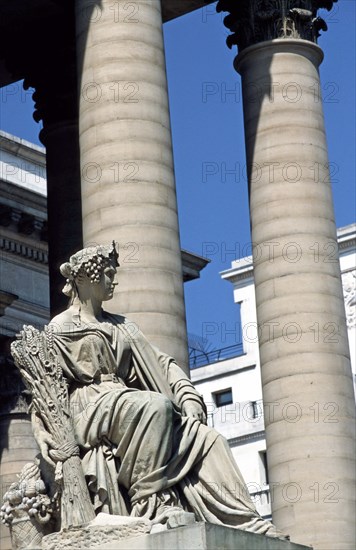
(24, 250)
(193, 264)
(346, 237)
(28, 199)
(202, 374)
(22, 148)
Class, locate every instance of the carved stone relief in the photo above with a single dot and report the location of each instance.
(254, 21)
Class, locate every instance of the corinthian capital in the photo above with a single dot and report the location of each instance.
(254, 21)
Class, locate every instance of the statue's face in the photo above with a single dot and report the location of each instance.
(104, 290)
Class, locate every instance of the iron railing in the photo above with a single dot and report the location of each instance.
(200, 359)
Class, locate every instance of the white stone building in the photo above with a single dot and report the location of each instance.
(232, 386)
(23, 245)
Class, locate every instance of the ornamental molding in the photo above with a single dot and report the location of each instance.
(16, 220)
(255, 21)
(349, 290)
(30, 252)
(347, 244)
(237, 274)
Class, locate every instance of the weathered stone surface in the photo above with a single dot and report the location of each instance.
(104, 532)
(200, 536)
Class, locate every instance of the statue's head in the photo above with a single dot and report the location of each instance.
(88, 263)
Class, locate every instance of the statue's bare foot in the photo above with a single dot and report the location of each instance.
(275, 533)
(171, 517)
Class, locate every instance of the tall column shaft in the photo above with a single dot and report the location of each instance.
(306, 374)
(128, 185)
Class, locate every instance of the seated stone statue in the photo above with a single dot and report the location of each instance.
(139, 423)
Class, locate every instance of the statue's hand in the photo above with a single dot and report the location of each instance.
(46, 443)
(43, 438)
(194, 410)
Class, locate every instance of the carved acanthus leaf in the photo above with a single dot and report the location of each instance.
(254, 21)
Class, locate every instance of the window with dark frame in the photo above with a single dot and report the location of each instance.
(263, 457)
(255, 409)
(223, 397)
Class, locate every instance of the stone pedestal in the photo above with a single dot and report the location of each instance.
(128, 186)
(198, 536)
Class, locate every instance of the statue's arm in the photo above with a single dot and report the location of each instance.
(188, 398)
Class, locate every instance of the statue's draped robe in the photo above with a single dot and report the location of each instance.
(138, 451)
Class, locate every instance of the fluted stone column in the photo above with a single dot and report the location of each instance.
(128, 186)
(306, 374)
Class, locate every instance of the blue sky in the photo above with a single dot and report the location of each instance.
(207, 131)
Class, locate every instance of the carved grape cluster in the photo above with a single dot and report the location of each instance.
(87, 262)
(93, 268)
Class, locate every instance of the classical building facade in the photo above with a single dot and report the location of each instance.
(230, 378)
(23, 291)
(98, 70)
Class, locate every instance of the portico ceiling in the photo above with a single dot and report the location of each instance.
(17, 14)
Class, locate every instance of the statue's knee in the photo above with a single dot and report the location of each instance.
(160, 405)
